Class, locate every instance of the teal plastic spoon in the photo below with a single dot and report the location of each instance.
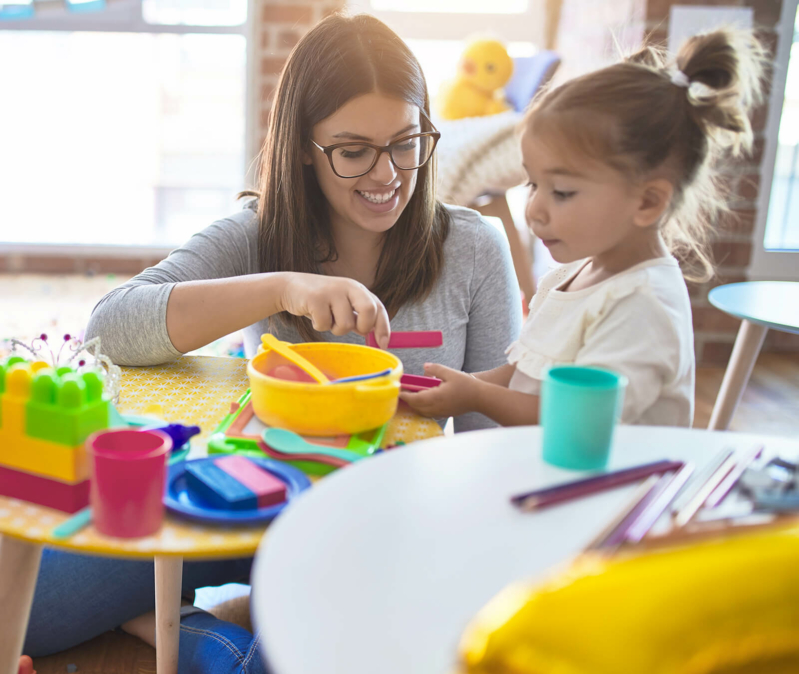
(288, 442)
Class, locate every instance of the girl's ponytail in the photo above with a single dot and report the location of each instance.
(724, 70)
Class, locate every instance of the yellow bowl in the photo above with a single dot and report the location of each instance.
(327, 409)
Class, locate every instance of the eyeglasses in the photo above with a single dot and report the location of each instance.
(353, 160)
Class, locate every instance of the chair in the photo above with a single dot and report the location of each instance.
(530, 73)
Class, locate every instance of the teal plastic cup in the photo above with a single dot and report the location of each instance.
(580, 407)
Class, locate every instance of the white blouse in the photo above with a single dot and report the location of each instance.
(637, 323)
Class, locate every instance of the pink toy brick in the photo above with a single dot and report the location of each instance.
(267, 488)
(68, 498)
(410, 340)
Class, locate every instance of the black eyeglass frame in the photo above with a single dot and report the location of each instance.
(329, 149)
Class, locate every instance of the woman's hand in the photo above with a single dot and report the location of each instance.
(455, 395)
(337, 304)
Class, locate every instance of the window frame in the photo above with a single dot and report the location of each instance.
(769, 264)
(526, 26)
(126, 16)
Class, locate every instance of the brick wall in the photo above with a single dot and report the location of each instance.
(279, 24)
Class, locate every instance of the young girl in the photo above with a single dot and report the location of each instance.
(621, 166)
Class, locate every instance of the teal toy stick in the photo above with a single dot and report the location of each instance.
(288, 442)
(74, 524)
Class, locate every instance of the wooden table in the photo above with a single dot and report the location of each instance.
(192, 390)
(761, 305)
(408, 547)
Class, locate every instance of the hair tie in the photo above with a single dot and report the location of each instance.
(679, 78)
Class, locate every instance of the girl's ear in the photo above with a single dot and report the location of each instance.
(306, 158)
(655, 199)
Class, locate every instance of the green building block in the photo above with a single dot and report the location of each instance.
(66, 407)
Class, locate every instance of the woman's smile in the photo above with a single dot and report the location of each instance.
(379, 200)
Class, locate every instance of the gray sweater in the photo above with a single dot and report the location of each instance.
(475, 303)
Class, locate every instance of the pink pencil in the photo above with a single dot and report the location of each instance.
(410, 340)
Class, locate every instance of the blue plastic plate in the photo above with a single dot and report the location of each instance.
(179, 500)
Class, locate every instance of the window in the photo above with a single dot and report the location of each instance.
(436, 30)
(122, 127)
(776, 249)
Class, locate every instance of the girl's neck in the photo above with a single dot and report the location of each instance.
(641, 246)
(358, 252)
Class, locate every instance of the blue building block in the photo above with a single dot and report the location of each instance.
(218, 489)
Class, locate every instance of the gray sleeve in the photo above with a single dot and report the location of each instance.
(495, 315)
(131, 319)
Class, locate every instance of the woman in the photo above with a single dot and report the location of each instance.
(345, 235)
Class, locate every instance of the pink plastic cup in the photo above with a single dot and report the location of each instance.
(128, 476)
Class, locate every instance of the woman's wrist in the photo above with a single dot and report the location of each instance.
(275, 287)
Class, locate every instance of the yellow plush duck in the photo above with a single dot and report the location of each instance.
(484, 69)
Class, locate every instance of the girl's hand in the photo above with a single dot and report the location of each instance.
(337, 304)
(455, 395)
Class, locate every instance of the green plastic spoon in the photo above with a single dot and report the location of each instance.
(288, 442)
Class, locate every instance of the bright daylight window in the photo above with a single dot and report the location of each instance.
(460, 6)
(782, 225)
(122, 131)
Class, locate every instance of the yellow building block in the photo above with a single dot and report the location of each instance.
(42, 457)
(12, 414)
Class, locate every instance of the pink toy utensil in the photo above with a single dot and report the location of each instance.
(418, 382)
(410, 340)
(128, 477)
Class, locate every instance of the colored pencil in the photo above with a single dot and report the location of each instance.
(638, 495)
(641, 526)
(720, 493)
(619, 534)
(541, 498)
(700, 478)
(410, 340)
(688, 511)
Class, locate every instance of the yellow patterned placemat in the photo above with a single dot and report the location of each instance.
(199, 390)
(192, 390)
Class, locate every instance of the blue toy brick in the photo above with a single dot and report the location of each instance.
(218, 489)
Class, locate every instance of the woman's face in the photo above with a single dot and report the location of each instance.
(372, 202)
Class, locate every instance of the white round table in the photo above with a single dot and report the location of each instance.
(761, 306)
(380, 566)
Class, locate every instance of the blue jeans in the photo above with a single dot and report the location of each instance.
(79, 597)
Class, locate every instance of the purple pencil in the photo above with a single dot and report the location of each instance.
(618, 535)
(720, 492)
(646, 520)
(541, 498)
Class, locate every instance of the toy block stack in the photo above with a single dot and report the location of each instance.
(46, 415)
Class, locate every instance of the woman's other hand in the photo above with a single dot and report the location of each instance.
(336, 304)
(455, 395)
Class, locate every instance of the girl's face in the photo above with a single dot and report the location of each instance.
(578, 207)
(372, 202)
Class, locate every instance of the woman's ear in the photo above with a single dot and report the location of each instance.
(306, 158)
(656, 197)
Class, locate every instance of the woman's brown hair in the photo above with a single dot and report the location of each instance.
(341, 58)
(639, 116)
